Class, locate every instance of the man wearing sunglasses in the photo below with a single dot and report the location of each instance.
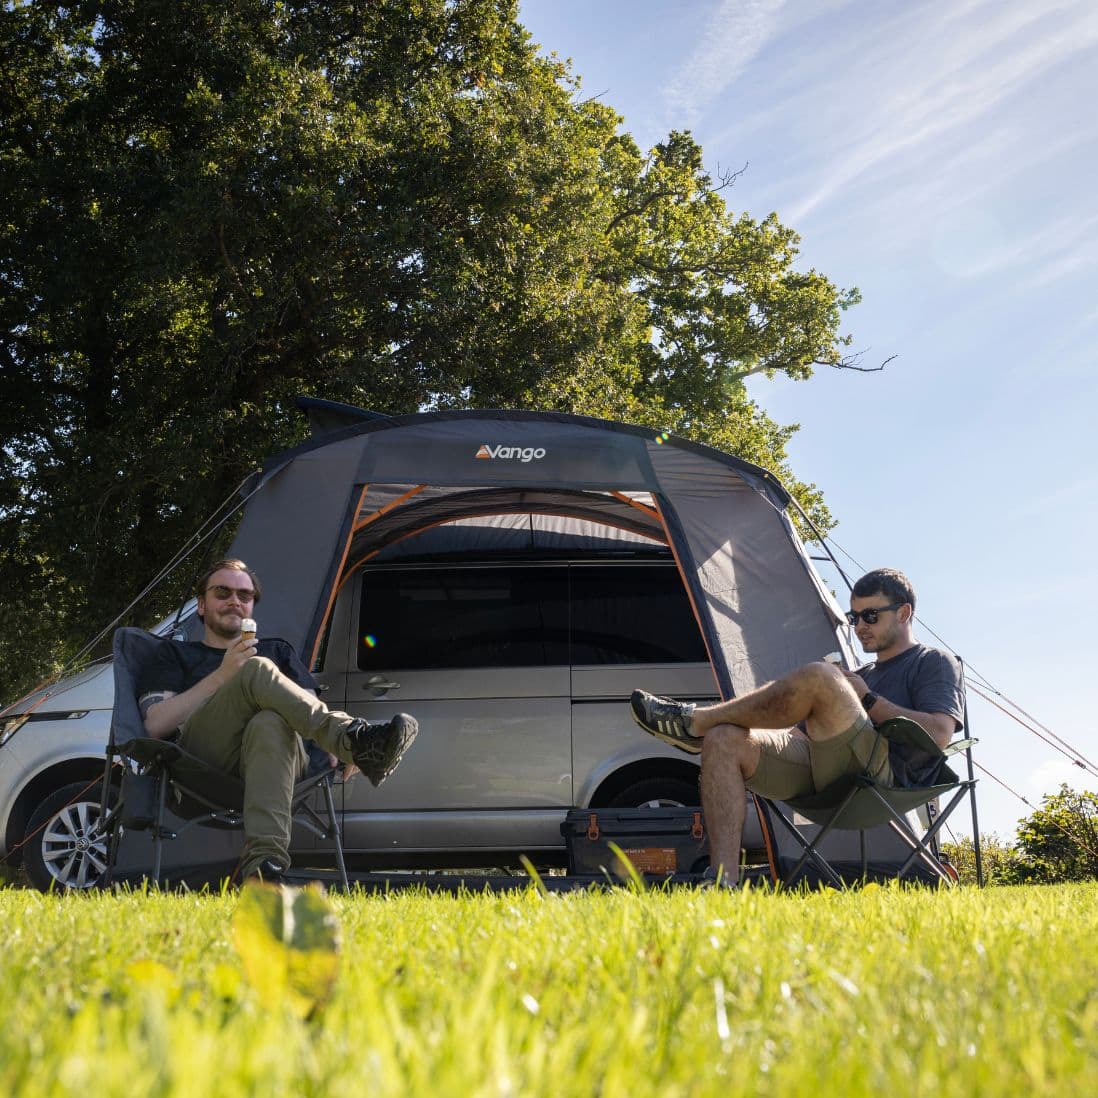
(803, 732)
(245, 707)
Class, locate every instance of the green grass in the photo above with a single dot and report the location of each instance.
(884, 991)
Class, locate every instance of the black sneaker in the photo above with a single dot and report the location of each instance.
(665, 719)
(378, 748)
(268, 870)
(712, 879)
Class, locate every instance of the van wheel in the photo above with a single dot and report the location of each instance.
(657, 793)
(66, 849)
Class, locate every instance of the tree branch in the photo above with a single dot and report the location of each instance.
(851, 364)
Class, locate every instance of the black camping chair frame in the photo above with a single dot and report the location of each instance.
(149, 785)
(858, 802)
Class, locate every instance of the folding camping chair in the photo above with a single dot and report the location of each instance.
(858, 802)
(150, 784)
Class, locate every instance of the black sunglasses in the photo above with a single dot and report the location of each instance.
(870, 616)
(219, 591)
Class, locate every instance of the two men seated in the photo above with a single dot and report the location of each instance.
(246, 706)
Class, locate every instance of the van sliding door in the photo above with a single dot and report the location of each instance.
(478, 653)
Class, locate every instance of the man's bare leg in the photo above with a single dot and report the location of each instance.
(729, 758)
(817, 694)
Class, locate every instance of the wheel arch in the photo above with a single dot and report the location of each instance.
(44, 783)
(641, 770)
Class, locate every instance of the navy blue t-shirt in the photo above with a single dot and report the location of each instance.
(179, 665)
(922, 678)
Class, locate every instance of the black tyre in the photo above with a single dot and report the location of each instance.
(66, 849)
(657, 793)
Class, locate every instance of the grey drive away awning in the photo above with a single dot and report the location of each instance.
(320, 509)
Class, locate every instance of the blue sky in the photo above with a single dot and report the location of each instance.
(941, 157)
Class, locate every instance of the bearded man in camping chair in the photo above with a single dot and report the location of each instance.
(244, 706)
(798, 735)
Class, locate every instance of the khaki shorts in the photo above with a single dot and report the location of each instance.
(792, 765)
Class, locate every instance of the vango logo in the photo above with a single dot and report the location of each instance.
(513, 453)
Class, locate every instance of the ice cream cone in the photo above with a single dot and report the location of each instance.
(247, 629)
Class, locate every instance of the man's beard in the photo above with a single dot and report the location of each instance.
(220, 629)
(879, 643)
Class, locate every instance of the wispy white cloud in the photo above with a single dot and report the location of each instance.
(732, 38)
(937, 84)
(1051, 251)
(1057, 501)
(921, 124)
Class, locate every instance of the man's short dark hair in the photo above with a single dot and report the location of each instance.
(236, 566)
(890, 582)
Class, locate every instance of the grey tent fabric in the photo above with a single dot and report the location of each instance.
(423, 511)
(292, 534)
(517, 533)
(764, 613)
(359, 488)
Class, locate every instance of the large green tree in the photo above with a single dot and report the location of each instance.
(206, 208)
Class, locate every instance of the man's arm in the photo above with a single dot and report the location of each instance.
(162, 718)
(940, 726)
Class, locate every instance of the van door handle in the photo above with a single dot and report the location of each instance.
(379, 684)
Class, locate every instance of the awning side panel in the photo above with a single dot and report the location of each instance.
(292, 535)
(765, 611)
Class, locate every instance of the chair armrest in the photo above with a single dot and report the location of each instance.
(958, 745)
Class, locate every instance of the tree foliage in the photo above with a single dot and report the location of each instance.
(1059, 841)
(207, 208)
(1001, 862)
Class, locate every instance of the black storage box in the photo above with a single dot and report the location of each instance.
(659, 841)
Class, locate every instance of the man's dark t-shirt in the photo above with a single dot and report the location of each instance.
(179, 665)
(922, 678)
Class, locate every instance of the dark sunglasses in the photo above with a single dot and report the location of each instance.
(871, 615)
(219, 591)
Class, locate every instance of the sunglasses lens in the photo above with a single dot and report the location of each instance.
(220, 592)
(868, 616)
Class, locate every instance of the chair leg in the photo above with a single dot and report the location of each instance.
(919, 852)
(919, 847)
(336, 836)
(809, 850)
(810, 847)
(158, 834)
(112, 824)
(930, 834)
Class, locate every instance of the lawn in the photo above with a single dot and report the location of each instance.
(885, 991)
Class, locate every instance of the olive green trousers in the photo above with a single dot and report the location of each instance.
(252, 729)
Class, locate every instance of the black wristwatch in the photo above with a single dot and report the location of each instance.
(869, 700)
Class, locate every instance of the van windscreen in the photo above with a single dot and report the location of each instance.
(519, 615)
(499, 616)
(632, 613)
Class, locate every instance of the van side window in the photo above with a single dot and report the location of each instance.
(632, 613)
(464, 617)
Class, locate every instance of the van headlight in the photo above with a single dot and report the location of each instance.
(10, 725)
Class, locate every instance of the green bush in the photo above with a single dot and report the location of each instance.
(1002, 863)
(1059, 842)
